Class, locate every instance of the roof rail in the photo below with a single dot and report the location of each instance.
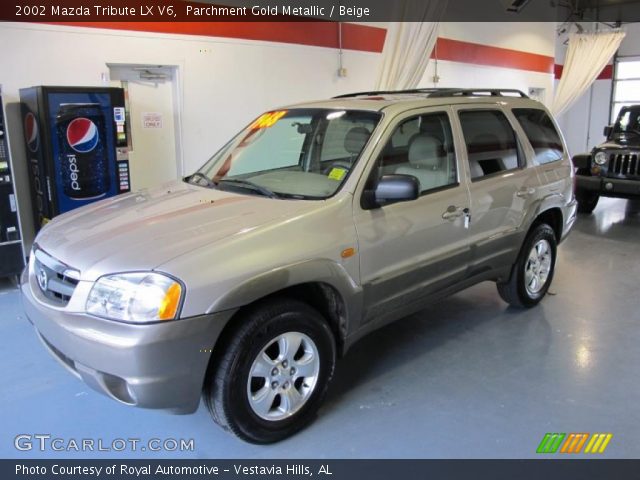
(442, 92)
(476, 92)
(388, 92)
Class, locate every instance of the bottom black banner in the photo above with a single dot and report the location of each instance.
(330, 469)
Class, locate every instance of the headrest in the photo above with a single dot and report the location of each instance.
(355, 140)
(425, 151)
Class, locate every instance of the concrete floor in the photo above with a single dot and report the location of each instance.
(467, 378)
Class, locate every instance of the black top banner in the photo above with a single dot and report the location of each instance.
(609, 11)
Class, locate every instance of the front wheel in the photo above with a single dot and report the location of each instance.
(587, 201)
(532, 274)
(273, 375)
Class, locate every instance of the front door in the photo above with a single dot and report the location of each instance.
(411, 250)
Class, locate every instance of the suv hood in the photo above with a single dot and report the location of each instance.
(139, 231)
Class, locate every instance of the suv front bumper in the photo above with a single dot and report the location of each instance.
(160, 365)
(609, 187)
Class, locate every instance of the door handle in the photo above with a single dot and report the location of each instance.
(525, 192)
(454, 212)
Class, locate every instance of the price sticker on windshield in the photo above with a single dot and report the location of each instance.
(337, 174)
(267, 120)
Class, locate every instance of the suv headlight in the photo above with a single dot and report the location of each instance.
(600, 158)
(135, 297)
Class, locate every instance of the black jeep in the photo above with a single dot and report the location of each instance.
(612, 169)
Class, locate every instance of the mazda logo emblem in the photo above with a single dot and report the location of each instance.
(42, 279)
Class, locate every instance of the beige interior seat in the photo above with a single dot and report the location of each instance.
(427, 162)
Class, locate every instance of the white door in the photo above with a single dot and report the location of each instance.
(154, 155)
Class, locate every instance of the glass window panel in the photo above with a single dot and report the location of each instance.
(542, 134)
(628, 69)
(628, 91)
(491, 142)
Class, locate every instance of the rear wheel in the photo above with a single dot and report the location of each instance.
(273, 375)
(587, 200)
(533, 272)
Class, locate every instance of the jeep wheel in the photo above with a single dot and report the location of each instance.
(533, 271)
(587, 200)
(271, 378)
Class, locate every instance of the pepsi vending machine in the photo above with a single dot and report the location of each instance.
(76, 145)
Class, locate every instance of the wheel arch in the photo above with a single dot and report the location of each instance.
(322, 284)
(552, 216)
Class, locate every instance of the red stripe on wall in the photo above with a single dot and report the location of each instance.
(325, 34)
(605, 74)
(318, 34)
(474, 53)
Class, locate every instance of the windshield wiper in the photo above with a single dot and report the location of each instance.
(248, 184)
(201, 175)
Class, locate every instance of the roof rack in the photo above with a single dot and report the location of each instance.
(443, 92)
(388, 92)
(476, 92)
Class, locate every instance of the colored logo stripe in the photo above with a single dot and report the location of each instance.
(574, 442)
(550, 443)
(598, 443)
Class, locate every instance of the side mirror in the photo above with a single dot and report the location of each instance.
(607, 130)
(392, 189)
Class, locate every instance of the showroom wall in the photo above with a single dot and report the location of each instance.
(229, 74)
(506, 55)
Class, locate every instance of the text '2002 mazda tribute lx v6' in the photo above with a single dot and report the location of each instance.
(315, 225)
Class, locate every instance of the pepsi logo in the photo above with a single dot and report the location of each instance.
(31, 132)
(82, 135)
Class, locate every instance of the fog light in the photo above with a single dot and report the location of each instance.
(608, 186)
(595, 170)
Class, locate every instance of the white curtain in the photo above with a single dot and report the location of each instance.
(408, 45)
(587, 55)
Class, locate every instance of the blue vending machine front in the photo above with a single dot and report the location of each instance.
(76, 143)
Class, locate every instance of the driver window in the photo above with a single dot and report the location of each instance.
(422, 146)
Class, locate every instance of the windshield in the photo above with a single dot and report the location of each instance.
(628, 121)
(299, 153)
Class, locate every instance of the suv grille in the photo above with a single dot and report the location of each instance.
(624, 165)
(56, 280)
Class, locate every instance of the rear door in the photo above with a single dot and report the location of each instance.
(550, 158)
(502, 185)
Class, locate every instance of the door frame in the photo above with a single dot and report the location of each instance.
(177, 94)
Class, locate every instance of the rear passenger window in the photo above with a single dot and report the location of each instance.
(422, 146)
(542, 134)
(491, 142)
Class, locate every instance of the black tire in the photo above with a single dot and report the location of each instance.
(587, 200)
(514, 291)
(226, 386)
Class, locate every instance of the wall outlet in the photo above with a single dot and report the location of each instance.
(342, 72)
(435, 79)
(204, 50)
